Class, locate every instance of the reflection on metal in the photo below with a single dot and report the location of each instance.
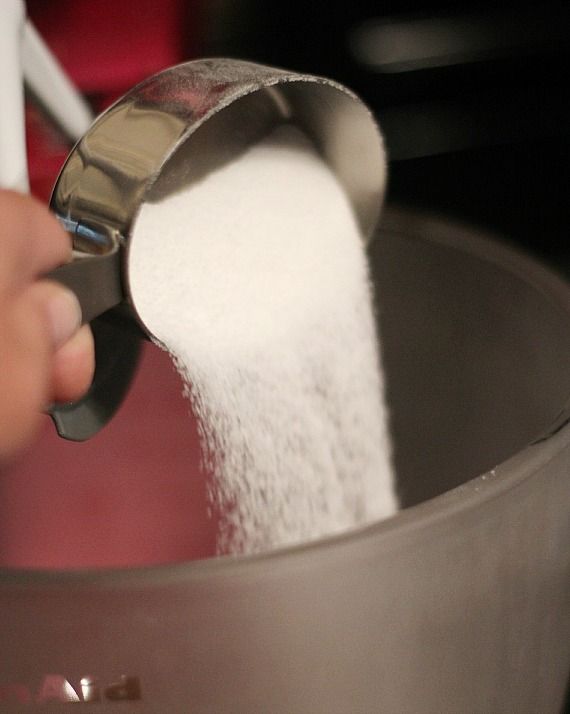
(55, 688)
(168, 132)
(180, 124)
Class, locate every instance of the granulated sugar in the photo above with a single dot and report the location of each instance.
(255, 280)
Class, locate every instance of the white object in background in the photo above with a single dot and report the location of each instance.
(47, 80)
(24, 56)
(13, 163)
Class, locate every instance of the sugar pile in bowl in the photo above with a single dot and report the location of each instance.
(255, 280)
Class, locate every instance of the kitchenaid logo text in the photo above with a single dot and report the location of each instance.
(54, 688)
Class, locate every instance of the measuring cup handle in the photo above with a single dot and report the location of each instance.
(116, 357)
(95, 280)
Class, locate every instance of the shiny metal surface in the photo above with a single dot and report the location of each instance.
(179, 125)
(457, 605)
(97, 279)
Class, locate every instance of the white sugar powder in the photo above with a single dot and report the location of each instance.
(255, 280)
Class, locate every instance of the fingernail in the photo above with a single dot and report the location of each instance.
(64, 313)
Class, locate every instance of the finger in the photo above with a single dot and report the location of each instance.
(44, 318)
(73, 367)
(43, 357)
(31, 240)
(26, 357)
(61, 308)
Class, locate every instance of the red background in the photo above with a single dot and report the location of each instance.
(134, 494)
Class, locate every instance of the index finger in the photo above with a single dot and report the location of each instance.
(31, 240)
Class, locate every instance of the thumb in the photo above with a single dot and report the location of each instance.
(33, 325)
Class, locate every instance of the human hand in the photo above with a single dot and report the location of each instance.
(45, 356)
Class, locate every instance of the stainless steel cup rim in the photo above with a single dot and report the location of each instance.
(226, 104)
(169, 130)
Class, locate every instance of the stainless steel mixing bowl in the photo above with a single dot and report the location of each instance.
(460, 604)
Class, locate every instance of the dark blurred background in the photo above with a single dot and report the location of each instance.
(470, 96)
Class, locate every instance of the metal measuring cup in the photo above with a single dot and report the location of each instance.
(164, 134)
